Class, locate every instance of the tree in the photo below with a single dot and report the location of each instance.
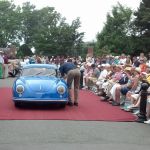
(9, 23)
(70, 38)
(44, 29)
(54, 36)
(28, 23)
(46, 35)
(24, 50)
(142, 23)
(117, 31)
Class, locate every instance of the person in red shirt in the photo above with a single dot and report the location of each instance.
(143, 65)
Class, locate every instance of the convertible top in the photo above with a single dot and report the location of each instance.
(49, 66)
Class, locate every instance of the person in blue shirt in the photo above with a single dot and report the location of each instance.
(73, 75)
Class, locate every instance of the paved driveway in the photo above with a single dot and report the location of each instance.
(6, 82)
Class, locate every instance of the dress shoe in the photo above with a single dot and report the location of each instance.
(76, 103)
(141, 120)
(115, 103)
(107, 97)
(70, 103)
(103, 98)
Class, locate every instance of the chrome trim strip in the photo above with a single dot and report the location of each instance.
(38, 100)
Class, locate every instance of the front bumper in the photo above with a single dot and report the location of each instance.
(40, 100)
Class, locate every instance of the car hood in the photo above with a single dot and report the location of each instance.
(40, 84)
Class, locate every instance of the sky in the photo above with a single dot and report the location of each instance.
(92, 13)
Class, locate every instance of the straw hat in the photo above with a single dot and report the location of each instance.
(138, 70)
(127, 69)
(118, 66)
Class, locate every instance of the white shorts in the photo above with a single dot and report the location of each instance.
(148, 99)
(135, 96)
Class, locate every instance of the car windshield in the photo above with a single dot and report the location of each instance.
(38, 72)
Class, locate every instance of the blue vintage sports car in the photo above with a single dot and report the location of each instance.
(40, 83)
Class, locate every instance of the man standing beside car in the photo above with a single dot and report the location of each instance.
(73, 74)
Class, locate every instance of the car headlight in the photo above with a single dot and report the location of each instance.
(61, 89)
(20, 89)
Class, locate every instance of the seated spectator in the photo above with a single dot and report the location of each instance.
(143, 65)
(102, 77)
(117, 89)
(88, 71)
(94, 76)
(133, 95)
(142, 57)
(116, 60)
(107, 85)
(128, 60)
(113, 78)
(136, 62)
(122, 59)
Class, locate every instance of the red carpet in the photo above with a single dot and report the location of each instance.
(90, 108)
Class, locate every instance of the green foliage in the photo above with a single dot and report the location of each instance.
(124, 33)
(44, 29)
(142, 23)
(23, 51)
(9, 23)
(47, 31)
(28, 23)
(57, 37)
(115, 35)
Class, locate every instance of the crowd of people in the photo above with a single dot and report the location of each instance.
(119, 80)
